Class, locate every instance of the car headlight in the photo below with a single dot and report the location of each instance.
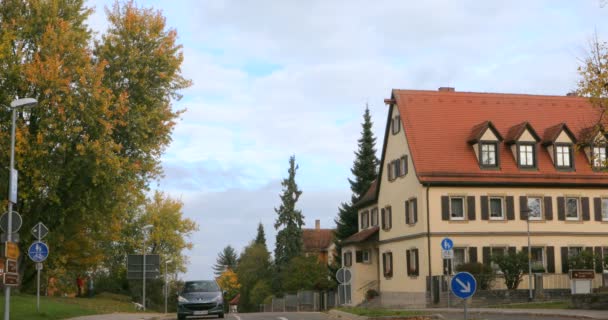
(181, 299)
(217, 298)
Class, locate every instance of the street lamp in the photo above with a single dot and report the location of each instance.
(145, 231)
(12, 196)
(166, 283)
(527, 211)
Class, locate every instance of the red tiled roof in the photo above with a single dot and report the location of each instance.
(438, 126)
(517, 130)
(552, 133)
(369, 196)
(317, 239)
(480, 129)
(362, 235)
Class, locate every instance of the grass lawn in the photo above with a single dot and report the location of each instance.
(535, 305)
(24, 306)
(375, 312)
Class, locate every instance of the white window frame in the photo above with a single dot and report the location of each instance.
(452, 217)
(571, 250)
(410, 205)
(411, 268)
(375, 222)
(578, 209)
(561, 156)
(525, 155)
(502, 208)
(540, 200)
(543, 253)
(348, 262)
(487, 152)
(364, 222)
(505, 251)
(464, 257)
(604, 212)
(599, 157)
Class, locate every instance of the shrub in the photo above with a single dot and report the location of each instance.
(482, 273)
(512, 266)
(371, 293)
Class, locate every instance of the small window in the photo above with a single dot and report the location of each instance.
(410, 210)
(563, 156)
(412, 262)
(364, 220)
(572, 210)
(456, 208)
(366, 256)
(599, 157)
(396, 124)
(348, 259)
(537, 257)
(387, 218)
(403, 165)
(526, 156)
(574, 251)
(497, 211)
(488, 154)
(604, 209)
(495, 252)
(387, 264)
(459, 257)
(374, 217)
(536, 208)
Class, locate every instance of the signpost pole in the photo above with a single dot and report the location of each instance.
(143, 303)
(9, 232)
(449, 287)
(465, 308)
(38, 280)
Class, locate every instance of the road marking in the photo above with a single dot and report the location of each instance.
(237, 317)
(282, 318)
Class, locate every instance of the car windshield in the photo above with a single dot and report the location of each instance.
(201, 286)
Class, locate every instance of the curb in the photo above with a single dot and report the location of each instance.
(336, 314)
(527, 313)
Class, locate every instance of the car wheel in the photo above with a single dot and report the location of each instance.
(181, 317)
(221, 315)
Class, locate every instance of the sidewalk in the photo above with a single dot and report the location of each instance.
(557, 313)
(127, 316)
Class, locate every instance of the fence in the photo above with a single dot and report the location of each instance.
(304, 300)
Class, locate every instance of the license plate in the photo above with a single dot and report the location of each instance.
(200, 313)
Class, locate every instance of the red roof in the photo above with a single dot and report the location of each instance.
(363, 235)
(317, 239)
(438, 124)
(369, 196)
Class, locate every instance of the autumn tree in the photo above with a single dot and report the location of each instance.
(229, 282)
(289, 220)
(226, 259)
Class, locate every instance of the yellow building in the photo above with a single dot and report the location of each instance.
(468, 166)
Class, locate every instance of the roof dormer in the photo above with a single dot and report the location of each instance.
(485, 139)
(594, 143)
(522, 139)
(560, 141)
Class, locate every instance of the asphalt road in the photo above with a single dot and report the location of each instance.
(277, 316)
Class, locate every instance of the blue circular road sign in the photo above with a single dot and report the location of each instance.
(447, 244)
(38, 251)
(463, 285)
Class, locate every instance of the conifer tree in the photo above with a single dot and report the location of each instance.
(289, 221)
(227, 259)
(364, 171)
(261, 237)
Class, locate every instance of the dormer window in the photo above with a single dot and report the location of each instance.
(559, 141)
(489, 154)
(522, 139)
(599, 157)
(525, 155)
(485, 140)
(563, 156)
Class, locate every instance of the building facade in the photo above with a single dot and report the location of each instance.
(470, 166)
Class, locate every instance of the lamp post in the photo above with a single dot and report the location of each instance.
(166, 283)
(12, 196)
(527, 213)
(145, 230)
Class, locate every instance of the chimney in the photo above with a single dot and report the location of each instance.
(446, 89)
(317, 224)
(572, 94)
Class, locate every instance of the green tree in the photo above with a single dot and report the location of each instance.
(289, 221)
(583, 260)
(254, 266)
(512, 265)
(261, 236)
(227, 259)
(305, 273)
(260, 292)
(364, 171)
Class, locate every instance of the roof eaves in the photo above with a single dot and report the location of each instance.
(552, 133)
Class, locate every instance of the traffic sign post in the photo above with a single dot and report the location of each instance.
(464, 286)
(38, 252)
(447, 253)
(447, 244)
(343, 276)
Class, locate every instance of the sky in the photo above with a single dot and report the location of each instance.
(273, 79)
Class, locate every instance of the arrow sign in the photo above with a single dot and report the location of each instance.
(464, 285)
(447, 244)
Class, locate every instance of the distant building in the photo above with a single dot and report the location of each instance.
(319, 242)
(468, 166)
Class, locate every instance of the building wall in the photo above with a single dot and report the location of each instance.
(364, 275)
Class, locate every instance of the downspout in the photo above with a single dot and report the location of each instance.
(428, 229)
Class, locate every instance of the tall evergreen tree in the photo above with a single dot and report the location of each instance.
(261, 237)
(289, 221)
(225, 259)
(365, 171)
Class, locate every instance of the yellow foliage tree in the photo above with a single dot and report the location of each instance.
(229, 282)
